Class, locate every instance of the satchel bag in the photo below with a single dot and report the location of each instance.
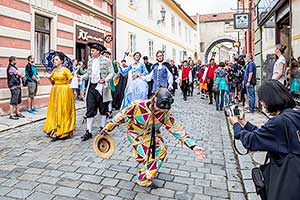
(216, 87)
(280, 178)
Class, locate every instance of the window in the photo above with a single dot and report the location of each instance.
(173, 24)
(181, 58)
(150, 8)
(202, 46)
(179, 28)
(150, 44)
(174, 54)
(190, 36)
(41, 37)
(186, 34)
(132, 2)
(164, 49)
(132, 42)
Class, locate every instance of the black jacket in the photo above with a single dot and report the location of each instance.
(271, 136)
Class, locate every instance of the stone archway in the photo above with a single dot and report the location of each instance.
(212, 45)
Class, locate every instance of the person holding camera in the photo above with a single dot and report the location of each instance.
(280, 137)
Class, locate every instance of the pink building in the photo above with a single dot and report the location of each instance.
(33, 27)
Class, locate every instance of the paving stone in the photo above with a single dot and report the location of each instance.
(176, 186)
(29, 185)
(68, 183)
(68, 168)
(90, 186)
(188, 181)
(19, 193)
(237, 196)
(86, 170)
(45, 188)
(29, 177)
(10, 183)
(66, 191)
(127, 194)
(38, 164)
(123, 176)
(146, 196)
(4, 190)
(165, 177)
(215, 192)
(53, 173)
(71, 175)
(88, 195)
(109, 182)
(91, 178)
(109, 197)
(41, 196)
(202, 197)
(48, 179)
(110, 190)
(249, 186)
(34, 171)
(126, 185)
(183, 196)
(163, 192)
(195, 189)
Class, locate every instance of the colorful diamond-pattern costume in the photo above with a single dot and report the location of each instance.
(139, 126)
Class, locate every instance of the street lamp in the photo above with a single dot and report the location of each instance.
(163, 16)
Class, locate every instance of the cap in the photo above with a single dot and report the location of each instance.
(145, 58)
(94, 45)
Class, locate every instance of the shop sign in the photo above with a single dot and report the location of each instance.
(87, 35)
(241, 21)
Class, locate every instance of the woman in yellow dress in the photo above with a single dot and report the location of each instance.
(61, 116)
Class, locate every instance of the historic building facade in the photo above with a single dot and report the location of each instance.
(33, 27)
(151, 25)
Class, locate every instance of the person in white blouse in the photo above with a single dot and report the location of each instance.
(280, 64)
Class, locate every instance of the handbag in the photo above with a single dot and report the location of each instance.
(280, 178)
(24, 81)
(216, 87)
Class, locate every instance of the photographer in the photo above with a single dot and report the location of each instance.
(272, 137)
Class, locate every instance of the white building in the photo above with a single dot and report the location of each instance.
(143, 26)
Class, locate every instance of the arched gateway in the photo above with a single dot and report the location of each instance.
(215, 43)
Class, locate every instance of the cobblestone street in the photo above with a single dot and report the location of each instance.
(31, 167)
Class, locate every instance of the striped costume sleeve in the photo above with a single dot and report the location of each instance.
(177, 131)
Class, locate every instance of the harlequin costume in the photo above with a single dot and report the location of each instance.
(143, 124)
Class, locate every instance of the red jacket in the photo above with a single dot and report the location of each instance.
(185, 72)
(211, 71)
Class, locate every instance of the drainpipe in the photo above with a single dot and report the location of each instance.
(114, 30)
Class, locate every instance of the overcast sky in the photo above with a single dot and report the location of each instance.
(207, 6)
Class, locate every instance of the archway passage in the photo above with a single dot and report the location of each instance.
(215, 43)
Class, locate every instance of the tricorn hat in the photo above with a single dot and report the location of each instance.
(104, 145)
(94, 45)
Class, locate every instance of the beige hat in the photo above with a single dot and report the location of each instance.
(104, 145)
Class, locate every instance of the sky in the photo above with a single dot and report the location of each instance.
(207, 6)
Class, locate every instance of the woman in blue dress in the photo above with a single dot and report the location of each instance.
(136, 87)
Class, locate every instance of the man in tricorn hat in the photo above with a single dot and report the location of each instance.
(100, 71)
(144, 119)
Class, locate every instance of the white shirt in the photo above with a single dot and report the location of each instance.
(95, 73)
(276, 67)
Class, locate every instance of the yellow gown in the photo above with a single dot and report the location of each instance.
(61, 115)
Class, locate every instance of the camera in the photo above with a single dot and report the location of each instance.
(232, 111)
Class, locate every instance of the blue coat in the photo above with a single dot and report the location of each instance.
(271, 136)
